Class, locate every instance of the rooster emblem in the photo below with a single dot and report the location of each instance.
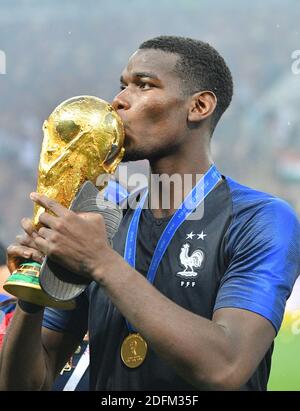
(190, 261)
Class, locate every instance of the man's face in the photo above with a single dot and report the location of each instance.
(151, 105)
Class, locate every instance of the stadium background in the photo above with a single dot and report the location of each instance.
(57, 49)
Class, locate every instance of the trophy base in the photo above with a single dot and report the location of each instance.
(24, 284)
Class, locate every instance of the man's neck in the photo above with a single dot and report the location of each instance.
(172, 178)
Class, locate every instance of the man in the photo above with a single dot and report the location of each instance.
(208, 313)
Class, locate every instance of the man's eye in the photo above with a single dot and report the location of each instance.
(145, 86)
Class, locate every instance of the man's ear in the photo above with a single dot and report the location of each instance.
(202, 105)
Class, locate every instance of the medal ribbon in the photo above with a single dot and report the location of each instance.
(196, 196)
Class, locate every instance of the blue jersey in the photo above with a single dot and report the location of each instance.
(243, 253)
(7, 309)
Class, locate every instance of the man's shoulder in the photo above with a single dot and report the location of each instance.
(247, 202)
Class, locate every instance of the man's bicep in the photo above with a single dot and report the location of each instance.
(263, 263)
(59, 347)
(250, 336)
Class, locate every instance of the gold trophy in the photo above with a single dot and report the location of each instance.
(83, 141)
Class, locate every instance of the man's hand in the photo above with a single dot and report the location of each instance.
(24, 248)
(76, 241)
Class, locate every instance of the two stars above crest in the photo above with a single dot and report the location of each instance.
(191, 235)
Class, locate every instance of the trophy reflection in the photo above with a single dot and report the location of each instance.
(83, 139)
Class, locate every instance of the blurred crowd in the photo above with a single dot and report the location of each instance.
(56, 50)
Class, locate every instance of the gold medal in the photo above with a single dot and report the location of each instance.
(133, 350)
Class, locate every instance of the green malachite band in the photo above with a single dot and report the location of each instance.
(32, 264)
(24, 278)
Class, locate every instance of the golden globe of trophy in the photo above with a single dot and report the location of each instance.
(83, 140)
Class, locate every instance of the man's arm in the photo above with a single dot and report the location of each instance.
(221, 353)
(32, 356)
(218, 354)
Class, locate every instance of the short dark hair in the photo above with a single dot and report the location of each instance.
(200, 66)
(2, 255)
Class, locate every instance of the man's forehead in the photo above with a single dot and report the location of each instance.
(152, 61)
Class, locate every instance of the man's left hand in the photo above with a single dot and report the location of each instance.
(76, 241)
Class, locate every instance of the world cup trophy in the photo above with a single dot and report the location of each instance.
(82, 145)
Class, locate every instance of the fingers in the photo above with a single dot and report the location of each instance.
(28, 248)
(16, 250)
(28, 227)
(45, 233)
(49, 204)
(26, 240)
(42, 245)
(17, 253)
(48, 220)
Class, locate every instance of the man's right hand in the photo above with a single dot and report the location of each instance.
(24, 248)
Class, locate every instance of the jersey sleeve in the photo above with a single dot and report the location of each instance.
(263, 250)
(74, 322)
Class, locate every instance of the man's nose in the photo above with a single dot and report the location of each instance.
(120, 103)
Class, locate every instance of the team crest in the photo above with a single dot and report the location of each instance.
(190, 261)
